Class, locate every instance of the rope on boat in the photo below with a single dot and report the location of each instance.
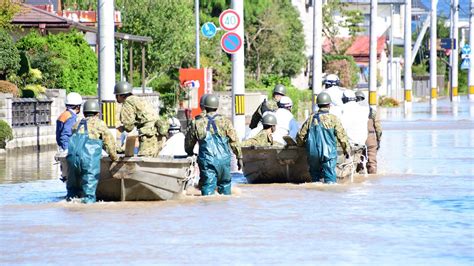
(190, 176)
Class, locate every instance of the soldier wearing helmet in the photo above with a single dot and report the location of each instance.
(136, 112)
(90, 136)
(271, 105)
(319, 133)
(67, 119)
(374, 137)
(265, 136)
(215, 134)
(286, 122)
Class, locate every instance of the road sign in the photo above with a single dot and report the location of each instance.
(466, 49)
(229, 20)
(231, 42)
(448, 43)
(208, 29)
(465, 65)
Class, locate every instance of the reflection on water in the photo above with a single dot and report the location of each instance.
(418, 210)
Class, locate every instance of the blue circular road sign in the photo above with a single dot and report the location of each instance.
(231, 42)
(208, 29)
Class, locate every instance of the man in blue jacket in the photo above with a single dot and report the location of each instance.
(67, 120)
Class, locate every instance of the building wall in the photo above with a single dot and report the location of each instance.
(306, 17)
(45, 135)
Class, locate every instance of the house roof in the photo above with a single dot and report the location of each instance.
(361, 46)
(30, 16)
(359, 49)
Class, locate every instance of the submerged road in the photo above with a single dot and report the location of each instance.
(418, 210)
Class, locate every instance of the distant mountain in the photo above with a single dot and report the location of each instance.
(443, 7)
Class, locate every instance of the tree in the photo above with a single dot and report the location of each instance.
(65, 59)
(8, 9)
(171, 26)
(336, 15)
(10, 58)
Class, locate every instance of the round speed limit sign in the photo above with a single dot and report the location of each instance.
(229, 20)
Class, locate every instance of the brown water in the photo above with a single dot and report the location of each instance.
(418, 210)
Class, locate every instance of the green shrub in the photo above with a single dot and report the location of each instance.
(65, 59)
(9, 57)
(6, 133)
(388, 102)
(8, 87)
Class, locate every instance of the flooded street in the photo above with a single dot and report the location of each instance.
(418, 210)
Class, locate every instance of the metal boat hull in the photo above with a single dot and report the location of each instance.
(284, 165)
(141, 178)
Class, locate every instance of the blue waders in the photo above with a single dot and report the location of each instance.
(322, 152)
(214, 161)
(83, 158)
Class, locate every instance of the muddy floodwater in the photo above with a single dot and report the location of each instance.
(419, 210)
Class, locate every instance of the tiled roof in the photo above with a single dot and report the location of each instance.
(32, 15)
(361, 46)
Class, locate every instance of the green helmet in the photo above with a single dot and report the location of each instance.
(91, 106)
(211, 101)
(269, 120)
(122, 87)
(360, 96)
(323, 99)
(280, 89)
(203, 98)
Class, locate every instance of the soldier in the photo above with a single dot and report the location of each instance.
(67, 120)
(91, 134)
(135, 112)
(374, 137)
(264, 137)
(214, 133)
(270, 105)
(319, 133)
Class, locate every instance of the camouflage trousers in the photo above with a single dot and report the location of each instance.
(371, 153)
(150, 146)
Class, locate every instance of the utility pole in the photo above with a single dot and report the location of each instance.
(238, 73)
(107, 61)
(373, 55)
(317, 49)
(408, 61)
(390, 60)
(196, 10)
(433, 47)
(455, 52)
(471, 55)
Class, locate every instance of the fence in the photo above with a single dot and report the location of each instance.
(31, 112)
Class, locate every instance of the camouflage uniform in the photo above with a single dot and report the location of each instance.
(197, 131)
(373, 141)
(214, 170)
(152, 130)
(320, 133)
(263, 138)
(267, 105)
(97, 129)
(328, 121)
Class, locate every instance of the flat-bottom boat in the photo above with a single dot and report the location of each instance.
(278, 164)
(142, 178)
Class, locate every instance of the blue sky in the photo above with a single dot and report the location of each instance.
(443, 7)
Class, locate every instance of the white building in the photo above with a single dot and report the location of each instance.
(384, 21)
